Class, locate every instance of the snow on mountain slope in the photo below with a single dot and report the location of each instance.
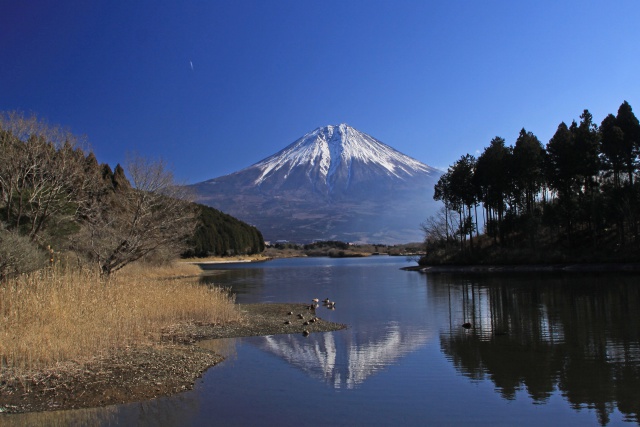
(334, 183)
(330, 149)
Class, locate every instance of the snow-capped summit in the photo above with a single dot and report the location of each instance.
(334, 183)
(332, 150)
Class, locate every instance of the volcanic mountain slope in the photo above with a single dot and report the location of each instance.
(334, 183)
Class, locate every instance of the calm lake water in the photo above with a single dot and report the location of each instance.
(544, 349)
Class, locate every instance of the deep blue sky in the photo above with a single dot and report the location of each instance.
(434, 80)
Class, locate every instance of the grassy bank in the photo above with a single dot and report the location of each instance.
(72, 316)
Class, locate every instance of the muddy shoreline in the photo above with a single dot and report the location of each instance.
(143, 373)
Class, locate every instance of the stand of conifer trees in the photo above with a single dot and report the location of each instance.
(580, 190)
(219, 234)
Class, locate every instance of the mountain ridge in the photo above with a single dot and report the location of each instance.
(334, 182)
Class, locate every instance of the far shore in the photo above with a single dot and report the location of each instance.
(532, 268)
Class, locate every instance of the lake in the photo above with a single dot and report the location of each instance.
(542, 349)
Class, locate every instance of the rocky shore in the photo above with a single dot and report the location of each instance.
(141, 373)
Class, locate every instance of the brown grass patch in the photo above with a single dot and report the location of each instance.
(55, 317)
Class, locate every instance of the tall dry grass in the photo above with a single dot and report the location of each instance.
(55, 316)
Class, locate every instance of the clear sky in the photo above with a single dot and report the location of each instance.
(215, 86)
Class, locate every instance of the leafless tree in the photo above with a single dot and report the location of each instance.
(133, 222)
(440, 227)
(47, 182)
(42, 174)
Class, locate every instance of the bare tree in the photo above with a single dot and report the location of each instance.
(133, 222)
(42, 174)
(440, 227)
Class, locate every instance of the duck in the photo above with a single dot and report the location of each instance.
(326, 301)
(306, 333)
(315, 300)
(466, 325)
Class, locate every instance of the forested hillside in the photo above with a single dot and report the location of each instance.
(55, 197)
(219, 234)
(575, 199)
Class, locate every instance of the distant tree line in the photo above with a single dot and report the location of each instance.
(55, 197)
(580, 189)
(336, 244)
(220, 234)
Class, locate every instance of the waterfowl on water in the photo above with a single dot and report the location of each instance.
(305, 333)
(288, 322)
(326, 301)
(466, 325)
(300, 316)
(315, 300)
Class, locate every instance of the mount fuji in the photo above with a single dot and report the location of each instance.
(334, 183)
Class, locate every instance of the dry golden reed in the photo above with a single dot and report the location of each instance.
(56, 316)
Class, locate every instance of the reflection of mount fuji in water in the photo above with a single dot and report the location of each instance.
(347, 358)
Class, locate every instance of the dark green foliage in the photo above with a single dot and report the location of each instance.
(527, 170)
(630, 127)
(613, 151)
(219, 234)
(580, 194)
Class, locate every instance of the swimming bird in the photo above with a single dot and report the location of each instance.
(306, 333)
(315, 300)
(466, 325)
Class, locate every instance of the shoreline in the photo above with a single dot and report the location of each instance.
(226, 260)
(150, 371)
(528, 268)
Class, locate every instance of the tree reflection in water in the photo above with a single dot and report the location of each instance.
(574, 333)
